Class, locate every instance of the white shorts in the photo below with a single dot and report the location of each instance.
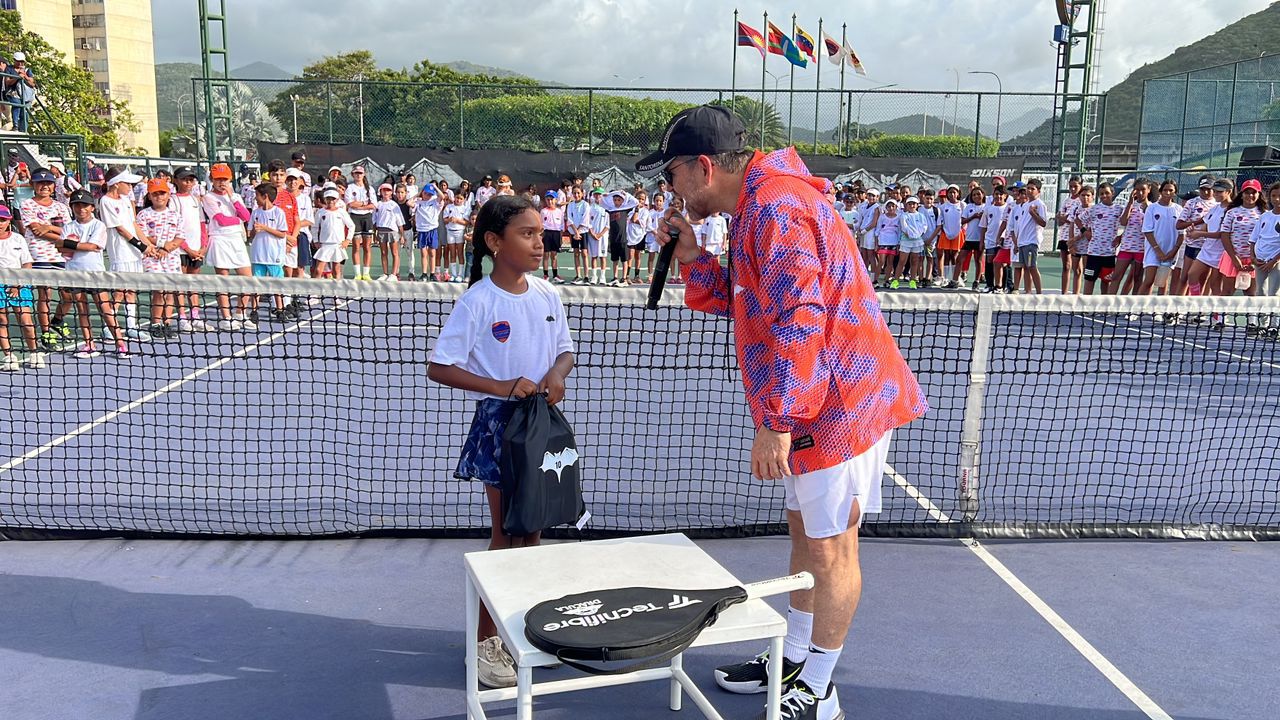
(126, 266)
(651, 243)
(868, 241)
(911, 246)
(291, 257)
(824, 498)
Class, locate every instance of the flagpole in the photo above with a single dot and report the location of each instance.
(764, 65)
(844, 41)
(817, 87)
(733, 76)
(791, 96)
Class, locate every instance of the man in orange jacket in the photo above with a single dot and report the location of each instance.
(823, 376)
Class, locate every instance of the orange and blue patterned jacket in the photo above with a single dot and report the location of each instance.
(817, 358)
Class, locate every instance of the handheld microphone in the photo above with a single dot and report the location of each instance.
(660, 269)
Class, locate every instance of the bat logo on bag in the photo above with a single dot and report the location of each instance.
(559, 461)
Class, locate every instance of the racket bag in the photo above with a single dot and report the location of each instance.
(541, 483)
(646, 626)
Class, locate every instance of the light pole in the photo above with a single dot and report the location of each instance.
(187, 96)
(862, 94)
(294, 99)
(999, 97)
(955, 114)
(631, 81)
(360, 87)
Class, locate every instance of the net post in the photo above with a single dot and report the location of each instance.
(971, 430)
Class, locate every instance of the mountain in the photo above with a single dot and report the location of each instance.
(262, 71)
(921, 125)
(174, 87)
(470, 68)
(1249, 37)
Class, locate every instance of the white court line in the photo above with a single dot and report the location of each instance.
(1077, 641)
(37, 452)
(1197, 346)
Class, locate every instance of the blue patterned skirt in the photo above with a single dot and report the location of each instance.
(483, 448)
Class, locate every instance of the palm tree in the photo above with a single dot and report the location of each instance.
(750, 112)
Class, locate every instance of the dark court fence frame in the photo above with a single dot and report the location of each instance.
(600, 119)
(1201, 121)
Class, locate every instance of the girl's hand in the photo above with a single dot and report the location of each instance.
(519, 389)
(552, 386)
(1238, 262)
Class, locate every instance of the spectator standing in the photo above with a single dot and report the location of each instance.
(95, 178)
(43, 219)
(20, 91)
(63, 184)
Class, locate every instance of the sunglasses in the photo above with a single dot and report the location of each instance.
(666, 172)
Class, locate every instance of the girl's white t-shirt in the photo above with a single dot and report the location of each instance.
(1266, 236)
(91, 232)
(495, 334)
(329, 226)
(1162, 222)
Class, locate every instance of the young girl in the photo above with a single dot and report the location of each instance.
(407, 230)
(86, 236)
(334, 230)
(456, 219)
(996, 258)
(1202, 273)
(1066, 243)
(161, 227)
(972, 250)
(951, 236)
(227, 242)
(888, 232)
(1100, 225)
(915, 230)
(1237, 228)
(552, 225)
(1132, 243)
(507, 338)
(388, 221)
(1079, 244)
(1264, 244)
(1160, 228)
(20, 299)
(637, 228)
(598, 240)
(651, 245)
(360, 204)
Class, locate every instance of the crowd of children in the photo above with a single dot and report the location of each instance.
(1219, 240)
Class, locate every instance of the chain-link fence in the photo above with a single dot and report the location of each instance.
(881, 123)
(1205, 120)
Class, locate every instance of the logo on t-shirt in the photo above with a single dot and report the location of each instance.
(501, 331)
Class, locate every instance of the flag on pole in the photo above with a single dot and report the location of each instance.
(835, 53)
(780, 44)
(750, 37)
(804, 41)
(855, 61)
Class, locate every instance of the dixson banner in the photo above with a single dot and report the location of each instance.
(546, 170)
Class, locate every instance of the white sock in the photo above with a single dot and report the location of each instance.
(819, 664)
(131, 316)
(799, 631)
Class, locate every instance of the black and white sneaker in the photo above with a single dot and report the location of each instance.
(752, 676)
(801, 703)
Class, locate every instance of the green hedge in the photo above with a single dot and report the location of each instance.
(560, 121)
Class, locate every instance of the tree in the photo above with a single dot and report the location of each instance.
(338, 94)
(251, 120)
(749, 111)
(68, 92)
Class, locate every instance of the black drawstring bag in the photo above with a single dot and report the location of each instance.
(541, 485)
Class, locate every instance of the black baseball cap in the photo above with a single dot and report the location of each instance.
(80, 197)
(1206, 180)
(702, 130)
(184, 172)
(298, 156)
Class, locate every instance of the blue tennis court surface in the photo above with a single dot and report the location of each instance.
(371, 629)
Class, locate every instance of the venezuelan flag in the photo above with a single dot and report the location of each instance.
(804, 41)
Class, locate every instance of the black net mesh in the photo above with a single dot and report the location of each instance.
(1093, 417)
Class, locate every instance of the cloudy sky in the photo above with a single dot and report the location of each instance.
(688, 43)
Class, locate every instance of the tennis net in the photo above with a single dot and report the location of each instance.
(1050, 416)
